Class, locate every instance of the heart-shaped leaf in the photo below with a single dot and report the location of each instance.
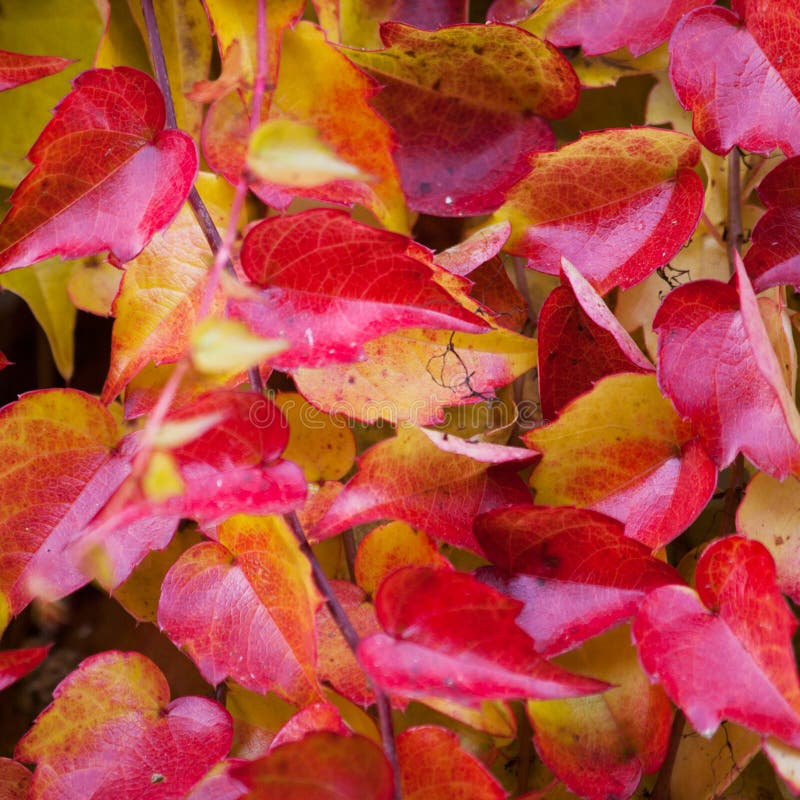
(723, 60)
(105, 145)
(725, 651)
(451, 636)
(244, 608)
(111, 731)
(716, 363)
(623, 450)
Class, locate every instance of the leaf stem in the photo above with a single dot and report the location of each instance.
(222, 248)
(661, 791)
(352, 638)
(734, 239)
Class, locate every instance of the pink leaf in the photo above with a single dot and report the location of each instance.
(105, 150)
(725, 651)
(738, 74)
(717, 365)
(774, 256)
(111, 732)
(574, 569)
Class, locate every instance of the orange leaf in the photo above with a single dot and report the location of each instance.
(434, 766)
(617, 204)
(432, 481)
(623, 450)
(245, 608)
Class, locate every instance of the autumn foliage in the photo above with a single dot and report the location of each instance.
(448, 435)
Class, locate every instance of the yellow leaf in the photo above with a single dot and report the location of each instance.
(122, 42)
(293, 154)
(219, 346)
(322, 445)
(162, 479)
(391, 546)
(605, 70)
(183, 26)
(93, 286)
(705, 768)
(604, 741)
(68, 28)
(43, 287)
(139, 594)
(414, 375)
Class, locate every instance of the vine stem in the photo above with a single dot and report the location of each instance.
(661, 791)
(734, 239)
(352, 638)
(222, 249)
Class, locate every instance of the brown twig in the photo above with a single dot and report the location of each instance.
(734, 238)
(661, 791)
(352, 638)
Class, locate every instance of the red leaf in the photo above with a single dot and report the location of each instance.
(451, 636)
(583, 342)
(488, 103)
(322, 766)
(738, 75)
(774, 256)
(16, 68)
(14, 664)
(112, 732)
(105, 149)
(4, 362)
(717, 365)
(315, 267)
(434, 766)
(574, 569)
(617, 204)
(229, 469)
(245, 608)
(59, 468)
(434, 482)
(638, 26)
(315, 717)
(725, 651)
